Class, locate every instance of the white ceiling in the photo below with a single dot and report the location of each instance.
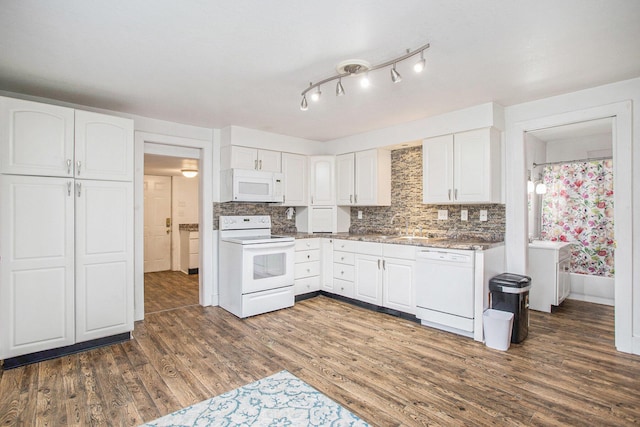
(244, 62)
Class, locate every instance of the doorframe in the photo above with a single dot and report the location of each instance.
(622, 142)
(166, 144)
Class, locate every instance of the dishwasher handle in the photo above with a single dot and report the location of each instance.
(445, 256)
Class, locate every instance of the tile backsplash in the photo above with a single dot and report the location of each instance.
(407, 207)
(279, 221)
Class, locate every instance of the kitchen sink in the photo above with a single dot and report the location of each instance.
(419, 239)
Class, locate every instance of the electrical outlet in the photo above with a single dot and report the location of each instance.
(359, 214)
(483, 215)
(443, 214)
(464, 215)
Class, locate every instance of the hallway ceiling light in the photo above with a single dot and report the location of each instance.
(354, 67)
(189, 173)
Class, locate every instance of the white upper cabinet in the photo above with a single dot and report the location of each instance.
(103, 147)
(238, 157)
(47, 140)
(364, 178)
(294, 168)
(462, 168)
(35, 138)
(345, 179)
(322, 189)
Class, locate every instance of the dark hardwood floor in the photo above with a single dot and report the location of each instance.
(387, 370)
(168, 290)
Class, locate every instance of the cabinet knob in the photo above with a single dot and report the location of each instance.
(308, 256)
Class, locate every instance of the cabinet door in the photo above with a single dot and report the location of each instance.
(36, 264)
(322, 181)
(269, 161)
(244, 157)
(472, 174)
(398, 290)
(437, 162)
(103, 147)
(104, 258)
(326, 262)
(294, 168)
(345, 179)
(373, 178)
(368, 280)
(35, 138)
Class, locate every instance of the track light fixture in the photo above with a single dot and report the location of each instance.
(354, 67)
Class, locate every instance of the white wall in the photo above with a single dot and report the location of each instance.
(476, 117)
(579, 148)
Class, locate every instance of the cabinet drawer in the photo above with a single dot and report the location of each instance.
(344, 288)
(369, 248)
(306, 244)
(307, 256)
(344, 245)
(307, 284)
(343, 271)
(344, 257)
(306, 269)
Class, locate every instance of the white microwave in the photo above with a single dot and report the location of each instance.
(241, 185)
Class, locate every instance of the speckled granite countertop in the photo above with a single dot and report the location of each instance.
(433, 242)
(188, 227)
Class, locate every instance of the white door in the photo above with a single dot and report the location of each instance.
(345, 186)
(294, 168)
(368, 279)
(35, 138)
(437, 159)
(104, 258)
(103, 147)
(157, 223)
(36, 264)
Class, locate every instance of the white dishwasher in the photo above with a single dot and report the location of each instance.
(445, 289)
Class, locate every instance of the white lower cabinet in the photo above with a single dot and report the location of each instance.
(384, 275)
(66, 262)
(307, 266)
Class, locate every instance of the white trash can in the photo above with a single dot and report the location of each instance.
(497, 327)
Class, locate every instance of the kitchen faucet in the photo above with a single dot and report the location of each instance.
(406, 228)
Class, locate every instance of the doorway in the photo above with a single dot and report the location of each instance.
(171, 222)
(571, 199)
(182, 148)
(621, 116)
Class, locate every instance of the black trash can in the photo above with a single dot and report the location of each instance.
(510, 292)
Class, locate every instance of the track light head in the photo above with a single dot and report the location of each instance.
(303, 105)
(315, 96)
(339, 88)
(419, 66)
(395, 76)
(364, 81)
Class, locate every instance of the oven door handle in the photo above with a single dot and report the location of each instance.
(269, 246)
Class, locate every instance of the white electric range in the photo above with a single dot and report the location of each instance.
(256, 268)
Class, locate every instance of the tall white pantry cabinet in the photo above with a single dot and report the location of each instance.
(66, 227)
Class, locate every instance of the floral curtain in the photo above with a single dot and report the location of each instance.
(578, 208)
